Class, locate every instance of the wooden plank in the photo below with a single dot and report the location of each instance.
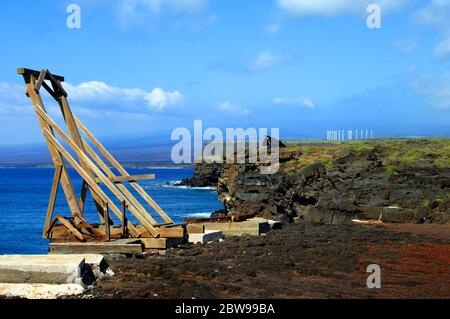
(70, 227)
(88, 179)
(123, 188)
(161, 243)
(177, 232)
(94, 248)
(195, 228)
(40, 80)
(29, 72)
(66, 182)
(95, 169)
(112, 187)
(106, 219)
(121, 170)
(58, 231)
(51, 202)
(131, 178)
(84, 224)
(82, 201)
(76, 138)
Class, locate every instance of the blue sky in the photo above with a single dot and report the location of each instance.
(145, 67)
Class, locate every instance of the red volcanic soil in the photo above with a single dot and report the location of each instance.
(298, 261)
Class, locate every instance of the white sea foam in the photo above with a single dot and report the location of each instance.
(200, 215)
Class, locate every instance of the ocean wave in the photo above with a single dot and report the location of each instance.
(199, 215)
(175, 184)
(163, 167)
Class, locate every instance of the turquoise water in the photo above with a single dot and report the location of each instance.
(24, 194)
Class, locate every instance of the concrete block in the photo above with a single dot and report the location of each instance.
(272, 223)
(50, 269)
(39, 291)
(206, 237)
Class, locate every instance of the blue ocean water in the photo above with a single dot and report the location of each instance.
(24, 195)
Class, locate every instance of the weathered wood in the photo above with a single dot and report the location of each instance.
(83, 157)
(70, 227)
(76, 138)
(123, 188)
(106, 219)
(40, 80)
(195, 228)
(51, 202)
(52, 140)
(177, 232)
(83, 224)
(93, 170)
(28, 72)
(162, 243)
(66, 182)
(121, 170)
(95, 248)
(124, 219)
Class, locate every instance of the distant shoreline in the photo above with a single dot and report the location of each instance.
(127, 165)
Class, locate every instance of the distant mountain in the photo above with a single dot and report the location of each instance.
(153, 150)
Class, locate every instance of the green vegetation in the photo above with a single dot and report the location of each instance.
(394, 153)
(391, 169)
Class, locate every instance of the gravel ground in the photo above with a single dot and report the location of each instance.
(298, 261)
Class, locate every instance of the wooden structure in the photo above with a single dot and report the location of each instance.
(101, 174)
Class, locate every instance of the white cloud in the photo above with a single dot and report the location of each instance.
(100, 92)
(436, 14)
(301, 101)
(436, 89)
(442, 50)
(337, 7)
(267, 60)
(273, 28)
(406, 46)
(234, 109)
(130, 7)
(13, 101)
(149, 12)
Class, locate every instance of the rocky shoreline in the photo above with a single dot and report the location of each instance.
(336, 184)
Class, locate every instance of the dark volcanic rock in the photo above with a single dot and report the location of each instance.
(205, 175)
(357, 185)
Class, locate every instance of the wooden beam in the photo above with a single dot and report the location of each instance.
(76, 138)
(51, 202)
(88, 179)
(70, 227)
(145, 214)
(95, 248)
(161, 243)
(40, 80)
(106, 219)
(96, 170)
(131, 178)
(28, 72)
(122, 170)
(66, 182)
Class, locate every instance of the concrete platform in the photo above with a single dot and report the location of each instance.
(206, 237)
(39, 291)
(48, 269)
(53, 269)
